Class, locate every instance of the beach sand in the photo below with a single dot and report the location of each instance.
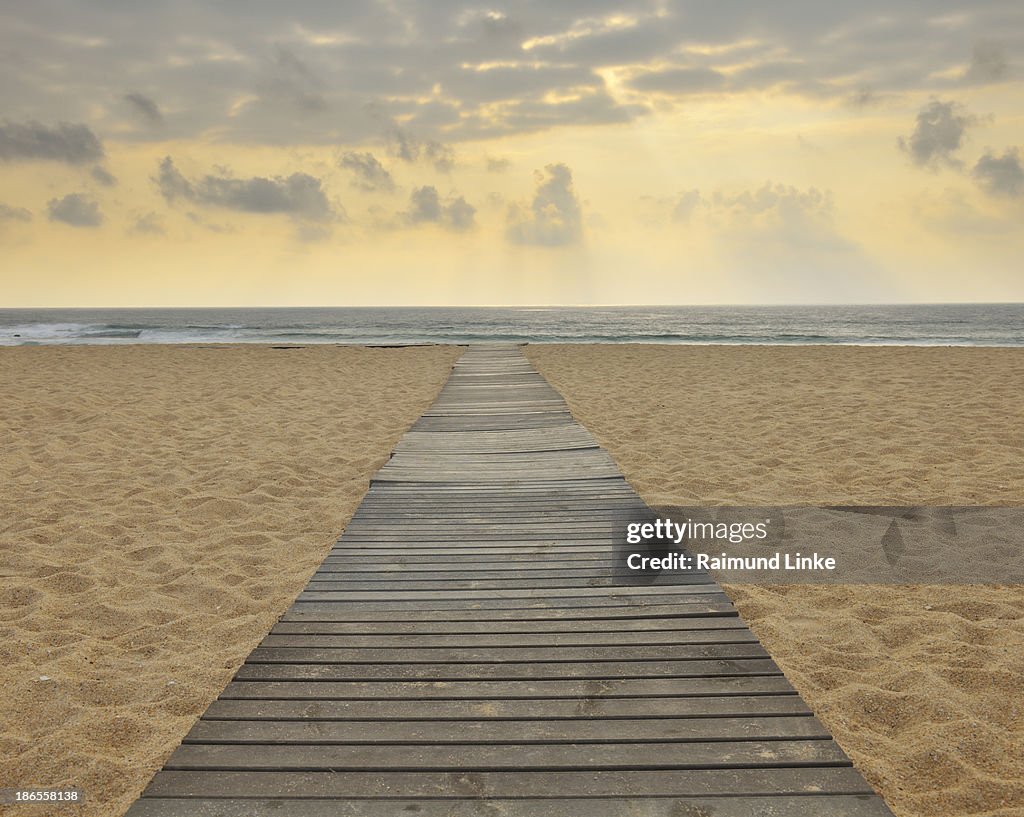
(159, 508)
(920, 685)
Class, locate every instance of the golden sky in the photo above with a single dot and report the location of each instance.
(443, 152)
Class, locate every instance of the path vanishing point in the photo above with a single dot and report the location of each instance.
(466, 650)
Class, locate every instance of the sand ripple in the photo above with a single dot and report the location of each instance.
(920, 685)
(161, 506)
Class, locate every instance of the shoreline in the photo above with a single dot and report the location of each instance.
(463, 343)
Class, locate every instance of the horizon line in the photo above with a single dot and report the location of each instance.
(538, 305)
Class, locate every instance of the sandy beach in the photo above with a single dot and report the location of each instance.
(163, 505)
(920, 685)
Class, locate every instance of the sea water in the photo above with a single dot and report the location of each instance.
(912, 325)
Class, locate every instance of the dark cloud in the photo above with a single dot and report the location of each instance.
(988, 63)
(145, 108)
(75, 209)
(8, 213)
(497, 164)
(1001, 175)
(685, 205)
(440, 155)
(148, 224)
(460, 214)
(679, 80)
(553, 218)
(426, 207)
(103, 176)
(368, 173)
(404, 145)
(598, 108)
(290, 82)
(938, 134)
(298, 195)
(66, 142)
(862, 98)
(173, 185)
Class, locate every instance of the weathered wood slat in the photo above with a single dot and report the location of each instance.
(437, 733)
(340, 611)
(517, 784)
(509, 757)
(585, 691)
(549, 631)
(550, 641)
(471, 646)
(526, 671)
(476, 709)
(503, 655)
(808, 805)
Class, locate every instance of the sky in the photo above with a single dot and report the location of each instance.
(248, 152)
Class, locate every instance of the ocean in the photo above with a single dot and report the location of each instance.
(902, 325)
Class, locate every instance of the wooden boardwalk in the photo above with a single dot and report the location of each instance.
(465, 649)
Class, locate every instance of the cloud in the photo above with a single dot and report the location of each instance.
(425, 206)
(988, 63)
(145, 108)
(298, 195)
(66, 142)
(8, 213)
(679, 80)
(172, 184)
(75, 209)
(289, 81)
(776, 216)
(369, 173)
(307, 73)
(685, 205)
(938, 134)
(103, 176)
(497, 164)
(404, 145)
(553, 218)
(1000, 175)
(148, 224)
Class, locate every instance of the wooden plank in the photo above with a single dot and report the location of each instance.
(504, 654)
(630, 594)
(340, 611)
(517, 784)
(484, 732)
(550, 641)
(524, 690)
(483, 607)
(533, 709)
(328, 583)
(536, 671)
(502, 608)
(678, 627)
(805, 805)
(509, 757)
